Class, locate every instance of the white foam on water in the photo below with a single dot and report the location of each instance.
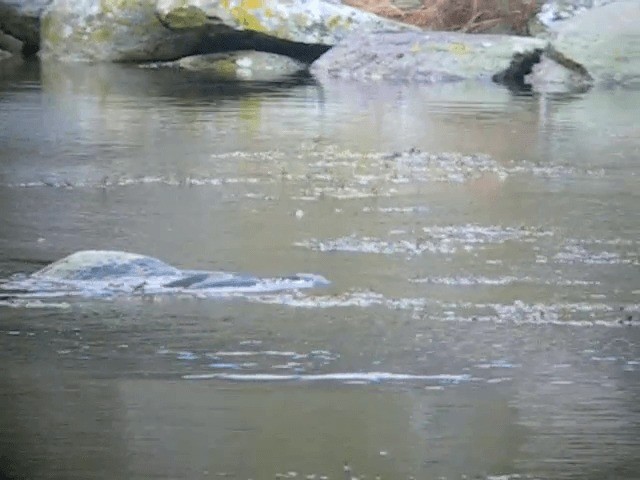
(467, 281)
(578, 254)
(349, 299)
(473, 233)
(354, 244)
(500, 281)
(35, 304)
(497, 364)
(367, 377)
(252, 353)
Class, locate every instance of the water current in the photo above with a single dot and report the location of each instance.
(482, 319)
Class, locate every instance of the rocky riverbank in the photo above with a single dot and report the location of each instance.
(575, 47)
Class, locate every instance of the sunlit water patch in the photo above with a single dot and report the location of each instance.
(447, 239)
(469, 281)
(583, 314)
(576, 253)
(254, 361)
(342, 377)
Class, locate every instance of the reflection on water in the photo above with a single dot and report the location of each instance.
(482, 317)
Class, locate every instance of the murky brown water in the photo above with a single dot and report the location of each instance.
(484, 311)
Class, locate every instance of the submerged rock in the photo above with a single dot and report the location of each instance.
(104, 265)
(106, 273)
(241, 65)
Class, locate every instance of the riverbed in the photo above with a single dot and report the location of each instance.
(483, 249)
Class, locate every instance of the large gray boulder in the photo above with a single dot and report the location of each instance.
(435, 57)
(605, 40)
(323, 22)
(21, 20)
(111, 30)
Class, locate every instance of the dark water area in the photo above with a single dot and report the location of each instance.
(483, 249)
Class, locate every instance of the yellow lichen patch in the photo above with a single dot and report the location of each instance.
(334, 22)
(49, 31)
(102, 35)
(459, 48)
(251, 4)
(247, 20)
(111, 6)
(415, 48)
(300, 20)
(225, 68)
(186, 17)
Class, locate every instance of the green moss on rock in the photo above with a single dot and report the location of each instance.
(186, 17)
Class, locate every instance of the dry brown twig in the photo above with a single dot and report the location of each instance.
(457, 15)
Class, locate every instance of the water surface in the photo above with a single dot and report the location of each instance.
(482, 317)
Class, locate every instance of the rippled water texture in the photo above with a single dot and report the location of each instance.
(483, 249)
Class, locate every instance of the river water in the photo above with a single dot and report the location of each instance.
(482, 319)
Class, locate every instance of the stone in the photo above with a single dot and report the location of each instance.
(426, 57)
(550, 76)
(105, 273)
(240, 65)
(21, 20)
(605, 40)
(323, 22)
(111, 30)
(10, 44)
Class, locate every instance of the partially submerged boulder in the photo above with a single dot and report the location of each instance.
(240, 65)
(111, 30)
(430, 57)
(605, 40)
(92, 273)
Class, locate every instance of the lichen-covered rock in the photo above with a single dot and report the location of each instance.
(21, 20)
(423, 56)
(240, 65)
(324, 22)
(605, 40)
(436, 57)
(110, 30)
